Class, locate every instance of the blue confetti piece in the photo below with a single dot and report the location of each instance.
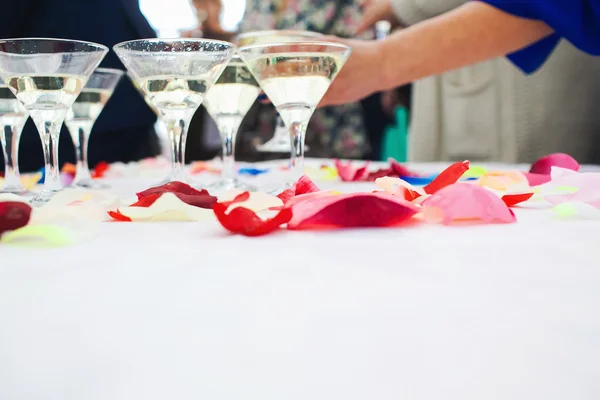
(252, 171)
(43, 178)
(418, 180)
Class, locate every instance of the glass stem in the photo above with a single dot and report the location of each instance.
(177, 131)
(50, 133)
(228, 128)
(82, 138)
(297, 136)
(10, 137)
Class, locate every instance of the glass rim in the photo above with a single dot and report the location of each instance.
(120, 46)
(244, 49)
(23, 39)
(279, 32)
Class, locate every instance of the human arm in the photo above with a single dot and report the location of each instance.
(469, 34)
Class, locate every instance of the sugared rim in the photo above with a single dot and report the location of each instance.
(303, 43)
(101, 46)
(119, 46)
(281, 32)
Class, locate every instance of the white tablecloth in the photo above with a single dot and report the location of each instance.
(186, 311)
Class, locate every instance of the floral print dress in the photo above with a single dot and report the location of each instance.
(333, 131)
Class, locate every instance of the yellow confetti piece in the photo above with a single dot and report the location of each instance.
(39, 236)
(31, 180)
(565, 210)
(475, 171)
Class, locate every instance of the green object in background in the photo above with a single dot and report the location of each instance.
(395, 138)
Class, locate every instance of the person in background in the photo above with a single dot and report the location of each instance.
(491, 111)
(333, 131)
(125, 129)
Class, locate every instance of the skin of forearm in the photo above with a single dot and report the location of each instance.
(469, 34)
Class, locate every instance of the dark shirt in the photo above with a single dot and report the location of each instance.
(124, 130)
(577, 21)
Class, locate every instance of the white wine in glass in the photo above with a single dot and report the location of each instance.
(228, 102)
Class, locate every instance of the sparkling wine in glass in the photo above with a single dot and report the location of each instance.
(280, 142)
(141, 92)
(295, 76)
(83, 114)
(175, 74)
(47, 75)
(227, 102)
(12, 120)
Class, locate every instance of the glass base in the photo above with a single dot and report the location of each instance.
(13, 189)
(229, 184)
(43, 198)
(90, 184)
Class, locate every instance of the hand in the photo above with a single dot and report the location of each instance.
(377, 10)
(362, 74)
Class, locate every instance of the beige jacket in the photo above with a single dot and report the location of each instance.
(491, 111)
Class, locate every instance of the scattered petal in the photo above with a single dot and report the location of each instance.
(100, 170)
(348, 173)
(164, 207)
(464, 202)
(577, 210)
(447, 177)
(399, 187)
(505, 181)
(303, 186)
(203, 166)
(246, 222)
(351, 211)
(544, 165)
(13, 215)
(512, 200)
(253, 171)
(475, 171)
(185, 193)
(256, 201)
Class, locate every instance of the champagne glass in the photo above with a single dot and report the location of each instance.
(227, 102)
(175, 74)
(83, 114)
(12, 120)
(295, 76)
(280, 142)
(47, 75)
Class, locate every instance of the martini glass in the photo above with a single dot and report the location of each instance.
(12, 120)
(47, 75)
(295, 76)
(175, 74)
(82, 116)
(227, 102)
(280, 142)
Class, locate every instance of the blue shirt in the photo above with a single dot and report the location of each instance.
(577, 21)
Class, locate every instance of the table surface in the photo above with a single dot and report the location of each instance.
(186, 311)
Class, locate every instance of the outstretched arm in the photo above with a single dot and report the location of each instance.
(469, 34)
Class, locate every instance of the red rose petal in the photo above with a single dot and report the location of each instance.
(536, 179)
(100, 169)
(116, 215)
(13, 215)
(348, 173)
(447, 177)
(185, 193)
(246, 222)
(147, 201)
(512, 200)
(544, 165)
(303, 186)
(351, 211)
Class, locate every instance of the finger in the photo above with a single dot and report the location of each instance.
(368, 20)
